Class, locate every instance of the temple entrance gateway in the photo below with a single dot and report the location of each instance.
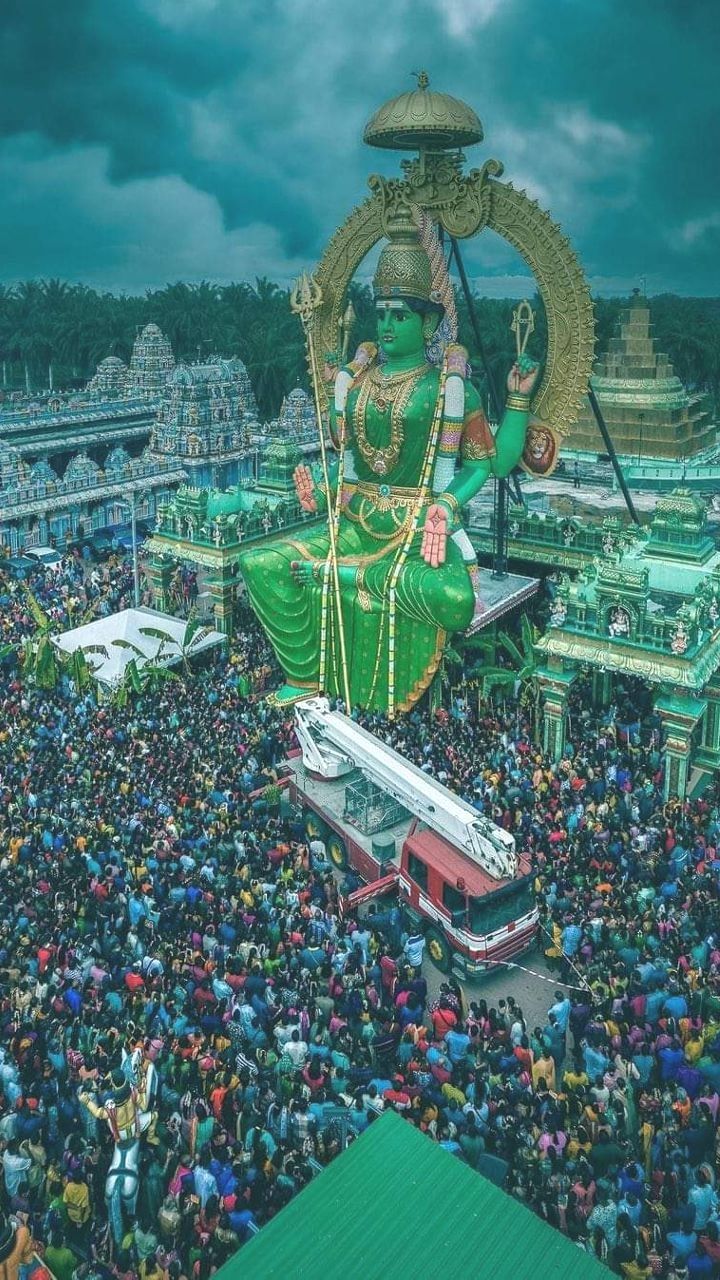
(649, 609)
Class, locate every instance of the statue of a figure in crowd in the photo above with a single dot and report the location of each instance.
(128, 1110)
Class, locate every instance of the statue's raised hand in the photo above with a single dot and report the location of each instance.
(305, 487)
(523, 376)
(435, 536)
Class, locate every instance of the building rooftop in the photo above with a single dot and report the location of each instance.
(393, 1205)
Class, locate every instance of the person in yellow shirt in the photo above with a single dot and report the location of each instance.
(76, 1198)
(544, 1069)
(575, 1078)
(694, 1047)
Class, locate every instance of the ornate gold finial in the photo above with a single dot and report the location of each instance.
(423, 78)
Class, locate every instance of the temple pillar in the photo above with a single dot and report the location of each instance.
(554, 689)
(222, 586)
(680, 713)
(709, 753)
(159, 571)
(601, 688)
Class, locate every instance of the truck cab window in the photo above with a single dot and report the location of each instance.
(497, 909)
(418, 870)
(453, 899)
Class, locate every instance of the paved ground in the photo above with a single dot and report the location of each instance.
(534, 991)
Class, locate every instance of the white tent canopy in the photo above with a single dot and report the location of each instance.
(128, 625)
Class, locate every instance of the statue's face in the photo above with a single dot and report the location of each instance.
(399, 330)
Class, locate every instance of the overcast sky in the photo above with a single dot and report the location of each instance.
(145, 141)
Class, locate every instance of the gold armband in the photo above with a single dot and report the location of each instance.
(516, 400)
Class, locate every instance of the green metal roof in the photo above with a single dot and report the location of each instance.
(395, 1205)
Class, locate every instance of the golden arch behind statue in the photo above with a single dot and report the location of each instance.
(464, 205)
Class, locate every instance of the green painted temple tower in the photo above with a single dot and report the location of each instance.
(646, 407)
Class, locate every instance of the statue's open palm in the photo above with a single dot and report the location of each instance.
(435, 535)
(305, 487)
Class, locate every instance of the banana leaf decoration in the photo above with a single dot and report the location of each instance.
(27, 657)
(80, 673)
(195, 633)
(155, 677)
(120, 696)
(46, 664)
(133, 679)
(523, 655)
(40, 617)
(128, 644)
(167, 642)
(90, 649)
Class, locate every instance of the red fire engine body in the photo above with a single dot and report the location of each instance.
(456, 875)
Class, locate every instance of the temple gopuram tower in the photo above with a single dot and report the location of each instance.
(646, 407)
(151, 363)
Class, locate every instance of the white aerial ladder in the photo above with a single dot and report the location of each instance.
(333, 745)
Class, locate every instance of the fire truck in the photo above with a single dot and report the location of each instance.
(457, 876)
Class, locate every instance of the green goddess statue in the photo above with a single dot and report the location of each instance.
(413, 448)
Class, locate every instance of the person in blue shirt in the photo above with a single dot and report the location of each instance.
(73, 999)
(596, 1063)
(653, 1005)
(671, 1058)
(571, 938)
(675, 1005)
(700, 1265)
(682, 1242)
(561, 1010)
(457, 1044)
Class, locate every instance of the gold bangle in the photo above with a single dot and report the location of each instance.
(451, 501)
(516, 400)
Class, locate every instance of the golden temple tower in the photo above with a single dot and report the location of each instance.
(647, 409)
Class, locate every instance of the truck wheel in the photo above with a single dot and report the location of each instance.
(315, 828)
(337, 851)
(439, 950)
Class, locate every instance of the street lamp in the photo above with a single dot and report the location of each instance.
(133, 529)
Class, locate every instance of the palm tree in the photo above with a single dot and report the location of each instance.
(53, 309)
(26, 314)
(7, 326)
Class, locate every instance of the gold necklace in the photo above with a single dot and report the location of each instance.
(393, 392)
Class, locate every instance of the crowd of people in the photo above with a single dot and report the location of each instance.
(73, 593)
(173, 950)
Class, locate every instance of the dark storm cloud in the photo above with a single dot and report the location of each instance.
(143, 140)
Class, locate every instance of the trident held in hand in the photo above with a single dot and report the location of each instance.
(305, 298)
